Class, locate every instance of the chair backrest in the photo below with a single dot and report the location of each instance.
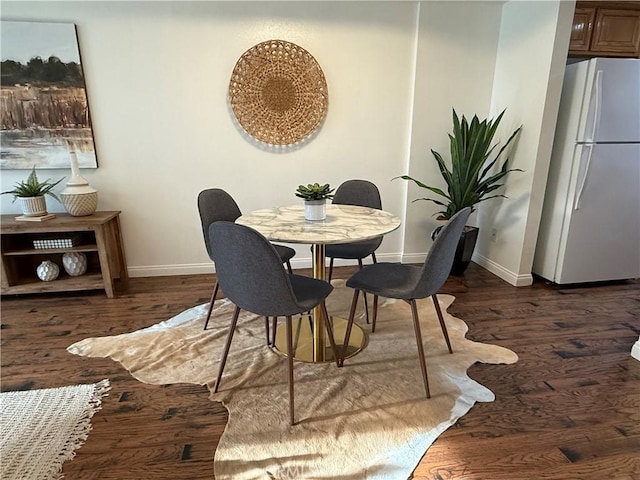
(214, 205)
(250, 271)
(358, 192)
(439, 261)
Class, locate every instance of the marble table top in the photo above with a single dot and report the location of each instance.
(344, 224)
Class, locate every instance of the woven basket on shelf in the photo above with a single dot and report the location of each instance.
(278, 92)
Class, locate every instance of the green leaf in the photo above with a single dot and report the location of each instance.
(469, 179)
(32, 187)
(314, 191)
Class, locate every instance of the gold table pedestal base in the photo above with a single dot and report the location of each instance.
(303, 339)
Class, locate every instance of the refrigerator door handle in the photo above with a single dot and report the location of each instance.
(583, 181)
(597, 106)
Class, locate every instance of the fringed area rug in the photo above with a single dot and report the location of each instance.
(367, 420)
(41, 429)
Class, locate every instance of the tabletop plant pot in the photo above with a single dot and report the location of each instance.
(315, 210)
(33, 206)
(315, 200)
(31, 194)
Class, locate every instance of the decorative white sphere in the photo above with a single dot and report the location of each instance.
(48, 271)
(74, 263)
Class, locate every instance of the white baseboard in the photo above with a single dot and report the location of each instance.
(208, 268)
(635, 350)
(517, 280)
(414, 257)
(168, 270)
(496, 269)
(305, 262)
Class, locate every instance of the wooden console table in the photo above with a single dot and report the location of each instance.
(98, 236)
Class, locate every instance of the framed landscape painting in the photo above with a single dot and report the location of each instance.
(44, 109)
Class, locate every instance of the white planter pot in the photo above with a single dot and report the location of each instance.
(33, 206)
(315, 210)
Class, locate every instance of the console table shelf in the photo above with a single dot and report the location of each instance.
(98, 236)
(40, 251)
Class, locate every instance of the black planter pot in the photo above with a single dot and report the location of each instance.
(466, 244)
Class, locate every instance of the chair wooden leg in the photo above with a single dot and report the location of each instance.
(296, 337)
(366, 308)
(298, 330)
(274, 328)
(347, 333)
(364, 295)
(375, 313)
(416, 327)
(373, 256)
(330, 269)
(226, 348)
(443, 326)
(290, 363)
(211, 302)
(267, 330)
(329, 326)
(289, 269)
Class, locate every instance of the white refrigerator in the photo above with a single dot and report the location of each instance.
(590, 227)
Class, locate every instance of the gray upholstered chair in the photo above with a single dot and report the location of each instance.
(411, 282)
(362, 193)
(251, 275)
(214, 204)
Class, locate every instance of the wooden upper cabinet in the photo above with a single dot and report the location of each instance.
(606, 29)
(582, 29)
(616, 32)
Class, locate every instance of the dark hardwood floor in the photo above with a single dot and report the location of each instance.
(569, 409)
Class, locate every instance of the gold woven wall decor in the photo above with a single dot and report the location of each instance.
(278, 92)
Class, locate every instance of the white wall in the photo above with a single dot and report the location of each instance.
(534, 39)
(454, 69)
(157, 75)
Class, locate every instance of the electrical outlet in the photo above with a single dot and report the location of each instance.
(494, 235)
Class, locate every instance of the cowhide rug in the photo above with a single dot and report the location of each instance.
(367, 420)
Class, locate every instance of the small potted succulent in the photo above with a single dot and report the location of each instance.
(31, 194)
(315, 200)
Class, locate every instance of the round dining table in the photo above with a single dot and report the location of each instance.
(343, 224)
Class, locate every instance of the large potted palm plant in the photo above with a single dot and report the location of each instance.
(470, 179)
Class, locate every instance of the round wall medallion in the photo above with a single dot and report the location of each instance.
(278, 92)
